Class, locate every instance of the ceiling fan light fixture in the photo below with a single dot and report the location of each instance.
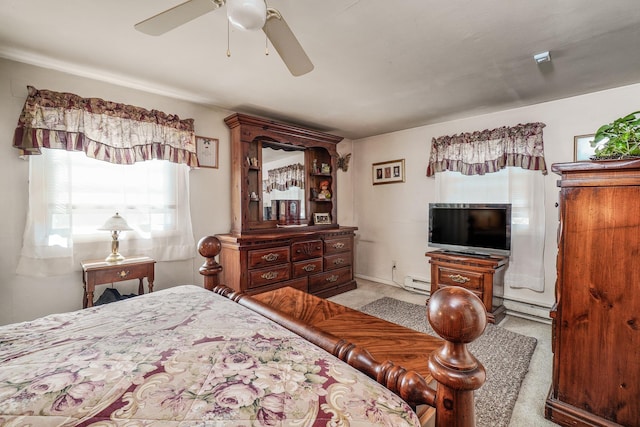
(247, 14)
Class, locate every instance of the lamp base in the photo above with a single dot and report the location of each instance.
(114, 257)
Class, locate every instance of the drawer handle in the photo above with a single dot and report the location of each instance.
(459, 278)
(338, 261)
(269, 275)
(123, 274)
(332, 278)
(270, 257)
(309, 267)
(338, 245)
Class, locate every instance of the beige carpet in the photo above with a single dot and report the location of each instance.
(505, 355)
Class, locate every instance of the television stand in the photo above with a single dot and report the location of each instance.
(482, 275)
(467, 254)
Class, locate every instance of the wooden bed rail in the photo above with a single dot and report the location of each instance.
(454, 313)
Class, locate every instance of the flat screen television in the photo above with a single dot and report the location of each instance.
(471, 228)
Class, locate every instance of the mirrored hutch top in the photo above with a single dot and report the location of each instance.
(283, 176)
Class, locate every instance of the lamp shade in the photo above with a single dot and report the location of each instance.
(247, 14)
(116, 223)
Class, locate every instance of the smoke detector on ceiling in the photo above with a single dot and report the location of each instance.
(542, 57)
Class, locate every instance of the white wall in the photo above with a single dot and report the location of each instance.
(23, 298)
(392, 218)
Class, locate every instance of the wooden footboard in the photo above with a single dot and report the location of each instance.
(456, 314)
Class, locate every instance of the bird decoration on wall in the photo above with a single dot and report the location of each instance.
(343, 161)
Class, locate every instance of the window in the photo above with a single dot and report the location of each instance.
(72, 195)
(524, 189)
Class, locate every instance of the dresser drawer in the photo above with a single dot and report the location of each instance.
(271, 256)
(264, 276)
(340, 260)
(124, 272)
(466, 279)
(329, 279)
(300, 283)
(306, 250)
(307, 267)
(332, 246)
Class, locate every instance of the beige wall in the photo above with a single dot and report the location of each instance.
(392, 218)
(23, 298)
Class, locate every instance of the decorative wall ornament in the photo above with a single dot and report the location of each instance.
(343, 162)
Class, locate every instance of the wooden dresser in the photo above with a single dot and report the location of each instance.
(596, 317)
(315, 261)
(276, 242)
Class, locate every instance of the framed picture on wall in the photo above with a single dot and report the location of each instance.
(388, 172)
(582, 149)
(207, 151)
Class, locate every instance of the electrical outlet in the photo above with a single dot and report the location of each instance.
(393, 265)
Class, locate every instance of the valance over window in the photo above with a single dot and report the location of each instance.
(104, 130)
(488, 151)
(285, 177)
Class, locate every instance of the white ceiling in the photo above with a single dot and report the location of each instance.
(380, 66)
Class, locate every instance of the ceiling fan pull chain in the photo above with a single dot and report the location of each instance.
(266, 45)
(228, 48)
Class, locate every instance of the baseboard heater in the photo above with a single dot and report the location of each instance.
(417, 284)
(527, 310)
(522, 309)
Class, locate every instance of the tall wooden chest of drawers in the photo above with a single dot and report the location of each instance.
(319, 262)
(596, 317)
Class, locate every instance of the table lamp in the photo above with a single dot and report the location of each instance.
(115, 224)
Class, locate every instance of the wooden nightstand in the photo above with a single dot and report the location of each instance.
(99, 272)
(482, 275)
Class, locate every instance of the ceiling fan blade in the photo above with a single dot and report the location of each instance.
(176, 16)
(286, 44)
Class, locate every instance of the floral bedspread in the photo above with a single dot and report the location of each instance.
(180, 357)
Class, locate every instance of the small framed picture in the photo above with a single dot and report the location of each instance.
(582, 149)
(207, 151)
(388, 172)
(321, 218)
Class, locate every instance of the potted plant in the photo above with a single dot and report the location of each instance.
(619, 139)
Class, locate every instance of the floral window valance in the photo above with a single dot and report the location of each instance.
(489, 151)
(104, 130)
(284, 178)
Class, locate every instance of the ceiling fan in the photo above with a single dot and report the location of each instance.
(243, 14)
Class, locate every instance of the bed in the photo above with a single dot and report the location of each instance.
(208, 356)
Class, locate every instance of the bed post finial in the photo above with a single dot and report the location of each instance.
(458, 316)
(209, 247)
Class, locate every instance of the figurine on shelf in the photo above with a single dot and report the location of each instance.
(324, 190)
(315, 166)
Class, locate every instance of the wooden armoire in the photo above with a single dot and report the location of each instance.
(596, 317)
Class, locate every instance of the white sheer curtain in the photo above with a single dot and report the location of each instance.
(72, 195)
(524, 189)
